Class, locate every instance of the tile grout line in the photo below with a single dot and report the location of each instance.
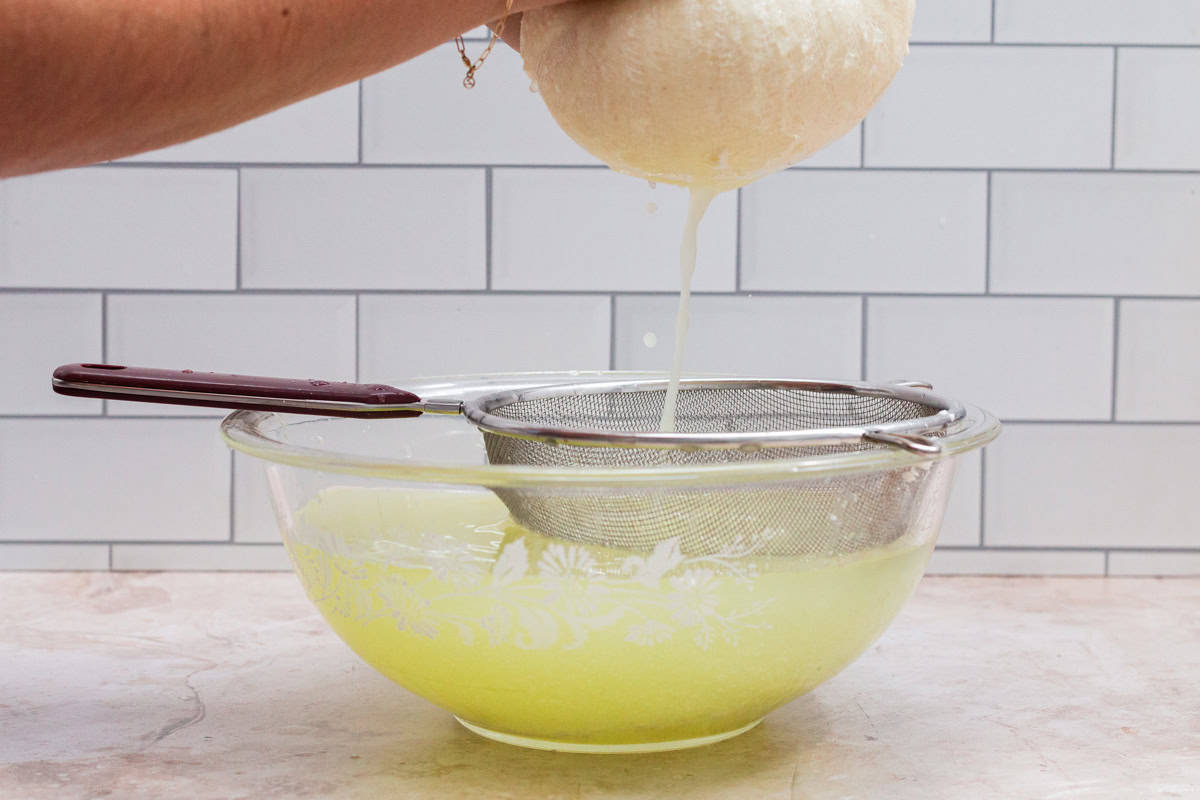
(1116, 355)
(1107, 554)
(1112, 156)
(992, 38)
(487, 228)
(357, 338)
(862, 144)
(110, 556)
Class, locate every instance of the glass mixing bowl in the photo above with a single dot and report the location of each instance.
(396, 531)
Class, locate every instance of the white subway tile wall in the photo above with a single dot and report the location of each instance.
(1016, 562)
(979, 107)
(1160, 377)
(1092, 486)
(41, 329)
(1096, 233)
(206, 557)
(110, 228)
(1020, 358)
(594, 230)
(110, 480)
(54, 556)
(739, 335)
(1098, 21)
(1018, 221)
(865, 231)
(1156, 127)
(953, 21)
(1134, 562)
(386, 228)
(467, 333)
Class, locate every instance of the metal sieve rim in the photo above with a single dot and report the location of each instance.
(908, 434)
(259, 434)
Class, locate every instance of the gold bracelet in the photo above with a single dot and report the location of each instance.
(469, 80)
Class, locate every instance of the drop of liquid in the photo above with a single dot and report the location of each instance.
(650, 339)
(533, 87)
(653, 184)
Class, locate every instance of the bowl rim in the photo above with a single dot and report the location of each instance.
(250, 432)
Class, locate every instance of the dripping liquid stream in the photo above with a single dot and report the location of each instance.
(698, 202)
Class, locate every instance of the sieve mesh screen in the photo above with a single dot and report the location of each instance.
(831, 516)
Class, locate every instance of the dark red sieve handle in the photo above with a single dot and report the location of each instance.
(215, 390)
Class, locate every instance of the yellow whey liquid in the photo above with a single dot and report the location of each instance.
(550, 643)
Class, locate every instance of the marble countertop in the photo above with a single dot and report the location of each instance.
(230, 686)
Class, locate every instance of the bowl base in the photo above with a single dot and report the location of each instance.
(581, 747)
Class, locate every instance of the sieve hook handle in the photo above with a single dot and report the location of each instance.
(912, 384)
(216, 390)
(913, 443)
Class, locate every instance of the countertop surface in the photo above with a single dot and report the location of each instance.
(229, 686)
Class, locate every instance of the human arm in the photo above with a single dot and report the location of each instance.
(83, 81)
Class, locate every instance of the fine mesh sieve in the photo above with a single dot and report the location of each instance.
(599, 425)
(717, 421)
(723, 422)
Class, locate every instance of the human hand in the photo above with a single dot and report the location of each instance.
(510, 33)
